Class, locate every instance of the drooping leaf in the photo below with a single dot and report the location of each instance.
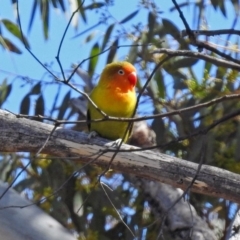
(95, 5)
(215, 3)
(151, 25)
(208, 66)
(222, 8)
(24, 184)
(219, 4)
(7, 44)
(61, 3)
(178, 76)
(88, 29)
(82, 10)
(132, 55)
(25, 105)
(64, 105)
(45, 17)
(90, 37)
(170, 27)
(112, 51)
(33, 13)
(39, 108)
(107, 36)
(93, 61)
(77, 203)
(15, 30)
(36, 89)
(130, 16)
(7, 164)
(184, 63)
(160, 83)
(158, 127)
(54, 3)
(5, 90)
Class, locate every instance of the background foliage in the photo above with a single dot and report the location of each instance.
(180, 83)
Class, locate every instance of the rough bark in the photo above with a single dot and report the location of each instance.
(29, 222)
(177, 216)
(18, 134)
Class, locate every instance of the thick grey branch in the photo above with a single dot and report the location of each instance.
(27, 135)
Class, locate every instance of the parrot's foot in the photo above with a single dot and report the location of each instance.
(115, 143)
(92, 134)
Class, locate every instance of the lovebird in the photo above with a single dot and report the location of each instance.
(116, 96)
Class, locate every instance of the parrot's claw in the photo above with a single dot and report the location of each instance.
(115, 143)
(92, 134)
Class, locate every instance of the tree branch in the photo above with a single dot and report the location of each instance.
(28, 136)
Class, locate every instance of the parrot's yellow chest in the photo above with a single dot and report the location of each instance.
(115, 103)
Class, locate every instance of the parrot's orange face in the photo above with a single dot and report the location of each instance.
(121, 77)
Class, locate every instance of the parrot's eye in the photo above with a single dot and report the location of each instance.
(121, 72)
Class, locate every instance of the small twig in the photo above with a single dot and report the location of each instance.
(63, 36)
(188, 29)
(212, 32)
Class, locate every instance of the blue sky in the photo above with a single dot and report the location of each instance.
(74, 50)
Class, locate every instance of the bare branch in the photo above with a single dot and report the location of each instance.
(212, 32)
(198, 55)
(25, 135)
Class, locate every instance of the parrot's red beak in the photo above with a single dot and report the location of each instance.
(132, 78)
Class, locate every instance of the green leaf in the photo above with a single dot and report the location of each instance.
(112, 51)
(5, 90)
(45, 17)
(25, 105)
(61, 3)
(158, 127)
(215, 3)
(151, 24)
(7, 164)
(160, 83)
(93, 61)
(33, 12)
(223, 9)
(39, 109)
(132, 56)
(90, 37)
(36, 89)
(15, 30)
(82, 10)
(107, 36)
(64, 105)
(95, 5)
(7, 44)
(54, 2)
(208, 66)
(25, 183)
(170, 28)
(184, 63)
(129, 17)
